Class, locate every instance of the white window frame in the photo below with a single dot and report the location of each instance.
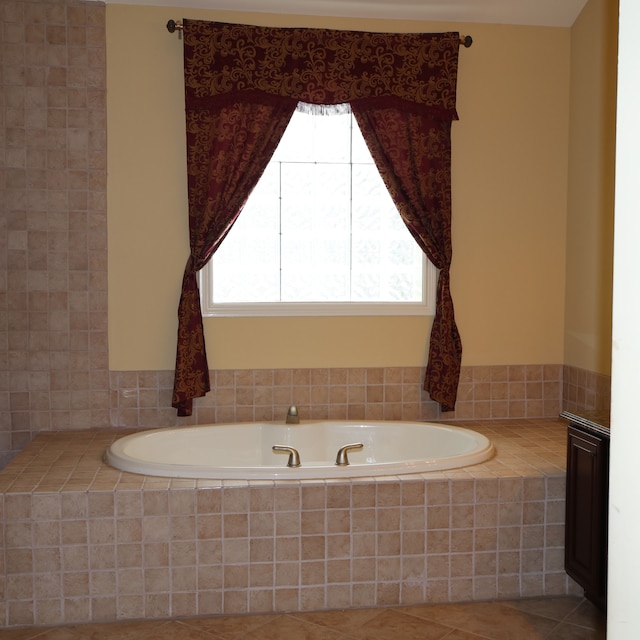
(291, 309)
(425, 307)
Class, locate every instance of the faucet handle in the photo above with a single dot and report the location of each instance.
(294, 456)
(341, 459)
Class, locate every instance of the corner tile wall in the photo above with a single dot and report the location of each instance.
(585, 391)
(54, 365)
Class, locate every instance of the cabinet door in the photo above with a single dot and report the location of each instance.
(586, 514)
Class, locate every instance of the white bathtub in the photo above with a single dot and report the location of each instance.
(244, 450)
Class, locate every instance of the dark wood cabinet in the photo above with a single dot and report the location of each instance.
(586, 511)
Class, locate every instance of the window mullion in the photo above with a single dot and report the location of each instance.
(351, 207)
(280, 229)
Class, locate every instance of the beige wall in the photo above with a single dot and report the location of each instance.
(591, 187)
(510, 177)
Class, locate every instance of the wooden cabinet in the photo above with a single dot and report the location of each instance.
(586, 511)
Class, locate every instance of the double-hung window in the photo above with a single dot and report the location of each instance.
(319, 235)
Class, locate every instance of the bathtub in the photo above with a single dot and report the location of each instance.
(245, 450)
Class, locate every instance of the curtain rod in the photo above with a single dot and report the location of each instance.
(173, 26)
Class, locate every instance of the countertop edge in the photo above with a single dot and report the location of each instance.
(593, 423)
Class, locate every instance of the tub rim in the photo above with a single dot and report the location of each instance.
(115, 456)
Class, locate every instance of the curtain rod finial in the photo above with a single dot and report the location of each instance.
(466, 41)
(173, 26)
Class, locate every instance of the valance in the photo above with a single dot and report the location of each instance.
(321, 66)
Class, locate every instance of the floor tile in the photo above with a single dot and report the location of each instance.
(58, 633)
(586, 614)
(391, 623)
(567, 618)
(230, 627)
(345, 621)
(554, 608)
(279, 628)
(458, 634)
(491, 620)
(565, 631)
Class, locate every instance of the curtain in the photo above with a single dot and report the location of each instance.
(413, 155)
(242, 84)
(239, 139)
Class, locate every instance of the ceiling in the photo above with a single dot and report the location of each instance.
(547, 13)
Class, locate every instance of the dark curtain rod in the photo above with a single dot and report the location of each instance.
(173, 26)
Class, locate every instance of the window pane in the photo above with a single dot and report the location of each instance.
(319, 227)
(246, 266)
(315, 232)
(314, 138)
(315, 197)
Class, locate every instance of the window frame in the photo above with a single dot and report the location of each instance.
(424, 307)
(317, 309)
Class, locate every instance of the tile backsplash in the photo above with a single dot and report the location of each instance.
(388, 393)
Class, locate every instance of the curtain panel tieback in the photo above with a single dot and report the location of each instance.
(192, 371)
(445, 349)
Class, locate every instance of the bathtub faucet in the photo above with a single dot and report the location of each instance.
(292, 415)
(342, 460)
(294, 456)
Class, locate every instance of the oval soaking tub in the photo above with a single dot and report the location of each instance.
(244, 450)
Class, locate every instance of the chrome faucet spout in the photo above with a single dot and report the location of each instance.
(292, 415)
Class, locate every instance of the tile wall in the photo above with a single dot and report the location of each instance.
(53, 329)
(585, 391)
(390, 393)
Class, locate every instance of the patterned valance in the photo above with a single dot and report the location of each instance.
(321, 66)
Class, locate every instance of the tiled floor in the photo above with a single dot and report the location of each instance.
(566, 618)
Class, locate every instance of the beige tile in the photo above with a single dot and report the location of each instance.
(392, 521)
(554, 608)
(586, 615)
(491, 620)
(344, 621)
(457, 634)
(396, 624)
(566, 631)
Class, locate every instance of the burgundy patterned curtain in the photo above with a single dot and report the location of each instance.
(228, 147)
(241, 86)
(413, 154)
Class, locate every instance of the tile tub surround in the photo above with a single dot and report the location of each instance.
(143, 398)
(84, 542)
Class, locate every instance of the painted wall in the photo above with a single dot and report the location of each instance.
(510, 152)
(590, 201)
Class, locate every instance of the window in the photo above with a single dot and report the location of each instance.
(319, 235)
